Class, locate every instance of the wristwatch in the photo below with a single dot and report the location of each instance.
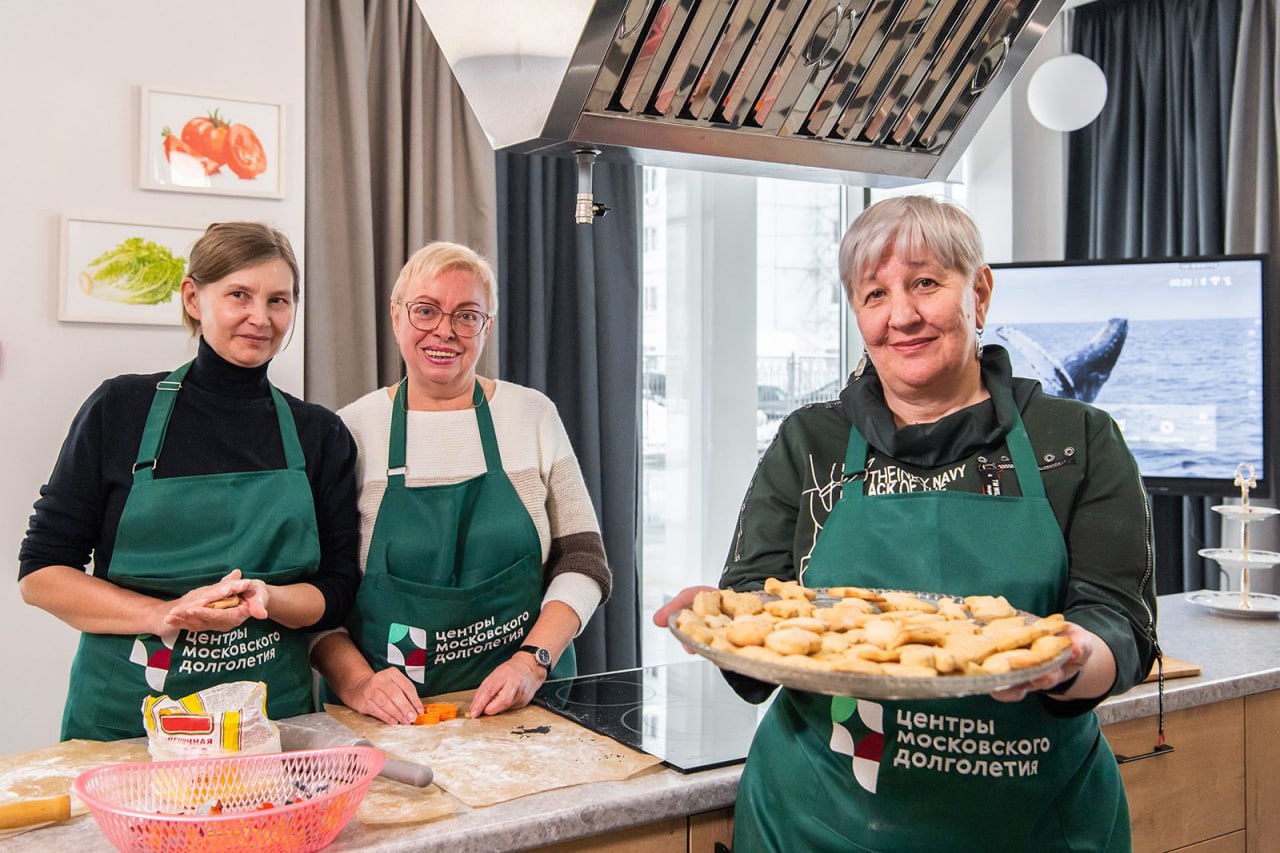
(540, 655)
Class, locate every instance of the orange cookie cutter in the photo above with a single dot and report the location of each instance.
(436, 712)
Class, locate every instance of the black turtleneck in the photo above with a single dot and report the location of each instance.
(223, 421)
(956, 436)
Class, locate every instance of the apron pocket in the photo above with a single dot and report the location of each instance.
(516, 579)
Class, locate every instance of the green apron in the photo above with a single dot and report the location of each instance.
(179, 533)
(957, 774)
(453, 580)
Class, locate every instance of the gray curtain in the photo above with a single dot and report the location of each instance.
(570, 297)
(1149, 178)
(395, 159)
(1253, 181)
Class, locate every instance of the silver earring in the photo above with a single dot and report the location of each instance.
(980, 331)
(862, 364)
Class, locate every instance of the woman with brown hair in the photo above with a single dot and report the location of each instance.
(218, 511)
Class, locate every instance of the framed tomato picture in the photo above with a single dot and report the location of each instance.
(211, 144)
(123, 272)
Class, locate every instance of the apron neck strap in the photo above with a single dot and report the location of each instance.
(399, 425)
(1018, 442)
(162, 409)
(158, 423)
(488, 435)
(293, 456)
(395, 449)
(1024, 459)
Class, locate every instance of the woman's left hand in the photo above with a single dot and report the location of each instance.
(510, 686)
(191, 612)
(1091, 662)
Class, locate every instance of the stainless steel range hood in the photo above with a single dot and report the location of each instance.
(871, 92)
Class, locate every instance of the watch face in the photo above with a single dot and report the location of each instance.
(543, 657)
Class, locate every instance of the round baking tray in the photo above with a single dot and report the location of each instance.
(868, 686)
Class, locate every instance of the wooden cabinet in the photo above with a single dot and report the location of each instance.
(1192, 793)
(1262, 770)
(1218, 790)
(708, 829)
(668, 836)
(699, 833)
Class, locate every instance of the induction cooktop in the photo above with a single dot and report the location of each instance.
(684, 713)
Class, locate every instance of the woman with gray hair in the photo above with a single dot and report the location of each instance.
(481, 553)
(938, 471)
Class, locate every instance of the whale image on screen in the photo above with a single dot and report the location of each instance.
(1173, 350)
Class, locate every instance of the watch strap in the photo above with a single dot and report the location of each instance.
(540, 655)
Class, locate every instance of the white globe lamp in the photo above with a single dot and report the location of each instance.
(1067, 92)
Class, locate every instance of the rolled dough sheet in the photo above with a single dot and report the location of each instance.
(391, 803)
(494, 759)
(50, 770)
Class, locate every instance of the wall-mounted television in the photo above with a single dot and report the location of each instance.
(1174, 349)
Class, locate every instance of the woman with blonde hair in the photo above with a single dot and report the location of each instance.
(481, 553)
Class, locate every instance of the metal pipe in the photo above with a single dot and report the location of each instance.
(585, 211)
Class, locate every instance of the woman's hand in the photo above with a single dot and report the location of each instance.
(1091, 663)
(191, 612)
(508, 687)
(388, 695)
(684, 598)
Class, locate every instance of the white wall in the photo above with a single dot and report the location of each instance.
(1015, 171)
(70, 73)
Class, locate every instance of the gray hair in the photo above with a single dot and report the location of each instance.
(910, 227)
(440, 257)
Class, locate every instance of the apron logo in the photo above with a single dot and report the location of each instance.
(861, 737)
(154, 655)
(407, 648)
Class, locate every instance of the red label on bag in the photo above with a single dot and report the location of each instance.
(186, 724)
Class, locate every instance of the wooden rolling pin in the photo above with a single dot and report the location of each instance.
(22, 813)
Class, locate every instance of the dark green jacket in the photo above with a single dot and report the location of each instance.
(1090, 478)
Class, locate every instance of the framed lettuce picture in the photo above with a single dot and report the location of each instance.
(122, 272)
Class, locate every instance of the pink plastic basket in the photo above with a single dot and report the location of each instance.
(220, 804)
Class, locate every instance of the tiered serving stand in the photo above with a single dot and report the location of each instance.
(1244, 603)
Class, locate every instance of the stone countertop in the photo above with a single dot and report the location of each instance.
(1237, 658)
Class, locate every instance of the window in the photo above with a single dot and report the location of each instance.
(743, 321)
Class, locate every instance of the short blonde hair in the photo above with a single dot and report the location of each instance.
(910, 226)
(441, 257)
(227, 247)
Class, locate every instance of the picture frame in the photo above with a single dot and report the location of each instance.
(217, 144)
(105, 278)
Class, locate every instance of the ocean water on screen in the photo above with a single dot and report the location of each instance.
(1187, 394)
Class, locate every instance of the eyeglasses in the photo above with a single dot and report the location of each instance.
(426, 316)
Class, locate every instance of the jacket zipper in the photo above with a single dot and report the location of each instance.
(1150, 572)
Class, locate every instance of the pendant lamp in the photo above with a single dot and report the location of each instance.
(1067, 92)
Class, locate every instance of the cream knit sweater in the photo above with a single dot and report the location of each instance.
(444, 447)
